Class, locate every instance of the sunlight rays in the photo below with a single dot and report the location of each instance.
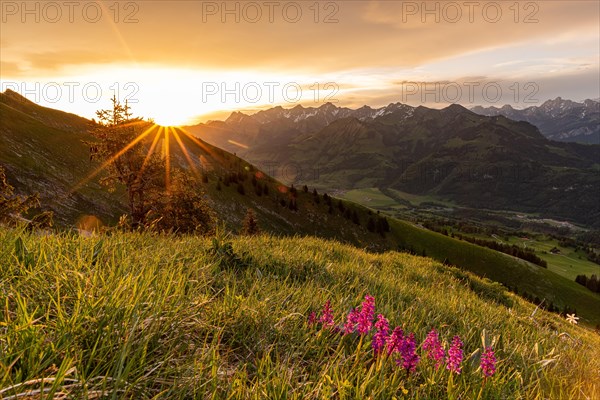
(186, 153)
(113, 158)
(167, 155)
(203, 146)
(238, 144)
(170, 155)
(150, 151)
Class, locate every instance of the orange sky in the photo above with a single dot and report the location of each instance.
(174, 51)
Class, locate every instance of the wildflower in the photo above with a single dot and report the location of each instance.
(488, 362)
(410, 359)
(312, 318)
(395, 340)
(572, 319)
(351, 322)
(434, 348)
(327, 315)
(455, 355)
(367, 313)
(380, 337)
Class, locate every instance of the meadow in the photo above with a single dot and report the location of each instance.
(569, 262)
(144, 316)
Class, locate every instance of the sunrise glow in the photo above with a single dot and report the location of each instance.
(224, 65)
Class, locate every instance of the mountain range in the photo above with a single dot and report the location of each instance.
(490, 162)
(558, 119)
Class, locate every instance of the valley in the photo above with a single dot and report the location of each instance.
(452, 154)
(314, 200)
(530, 232)
(232, 186)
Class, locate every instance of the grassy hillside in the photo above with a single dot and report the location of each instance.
(143, 316)
(569, 262)
(49, 160)
(518, 274)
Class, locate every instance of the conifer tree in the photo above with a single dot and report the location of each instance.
(250, 224)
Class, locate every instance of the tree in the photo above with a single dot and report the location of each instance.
(581, 279)
(161, 197)
(240, 189)
(250, 225)
(182, 209)
(348, 214)
(593, 284)
(381, 226)
(355, 218)
(316, 196)
(292, 204)
(371, 225)
(119, 146)
(13, 206)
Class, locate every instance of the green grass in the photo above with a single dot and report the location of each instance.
(555, 285)
(415, 199)
(390, 198)
(568, 263)
(520, 275)
(141, 316)
(371, 197)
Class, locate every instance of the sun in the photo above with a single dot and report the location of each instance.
(170, 119)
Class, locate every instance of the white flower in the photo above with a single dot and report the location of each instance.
(572, 319)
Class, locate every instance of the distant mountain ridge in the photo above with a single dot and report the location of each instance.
(558, 119)
(476, 161)
(327, 113)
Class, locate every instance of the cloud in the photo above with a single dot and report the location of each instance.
(366, 34)
(370, 49)
(9, 69)
(49, 61)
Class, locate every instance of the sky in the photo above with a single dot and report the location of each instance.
(181, 62)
